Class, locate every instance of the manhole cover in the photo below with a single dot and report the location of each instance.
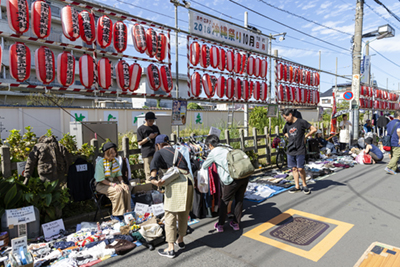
(300, 231)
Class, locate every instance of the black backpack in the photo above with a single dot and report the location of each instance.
(313, 145)
(386, 140)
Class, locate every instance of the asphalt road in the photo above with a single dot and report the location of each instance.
(360, 205)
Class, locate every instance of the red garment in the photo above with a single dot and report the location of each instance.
(211, 178)
(215, 183)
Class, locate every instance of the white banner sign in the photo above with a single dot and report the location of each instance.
(53, 228)
(365, 69)
(221, 31)
(20, 216)
(21, 167)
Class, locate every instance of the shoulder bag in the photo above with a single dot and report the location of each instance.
(173, 172)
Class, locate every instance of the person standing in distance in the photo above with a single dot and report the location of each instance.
(296, 151)
(393, 129)
(146, 135)
(344, 135)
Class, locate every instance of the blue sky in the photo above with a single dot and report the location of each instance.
(337, 14)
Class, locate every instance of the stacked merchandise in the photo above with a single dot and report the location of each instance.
(296, 85)
(242, 74)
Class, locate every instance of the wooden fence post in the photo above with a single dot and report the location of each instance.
(242, 145)
(277, 130)
(173, 138)
(95, 143)
(5, 161)
(228, 141)
(255, 140)
(125, 146)
(268, 143)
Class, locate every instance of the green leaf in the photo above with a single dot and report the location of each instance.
(29, 197)
(10, 195)
(51, 213)
(48, 199)
(15, 202)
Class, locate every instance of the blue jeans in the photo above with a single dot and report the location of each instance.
(296, 161)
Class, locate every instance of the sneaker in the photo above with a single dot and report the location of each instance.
(218, 227)
(306, 190)
(390, 171)
(180, 245)
(235, 226)
(294, 190)
(169, 254)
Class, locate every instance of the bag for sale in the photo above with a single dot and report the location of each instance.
(367, 159)
(275, 142)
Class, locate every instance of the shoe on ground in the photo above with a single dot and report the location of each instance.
(180, 245)
(390, 171)
(169, 254)
(306, 190)
(218, 227)
(235, 226)
(294, 190)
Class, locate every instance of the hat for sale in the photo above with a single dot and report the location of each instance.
(109, 145)
(150, 116)
(162, 138)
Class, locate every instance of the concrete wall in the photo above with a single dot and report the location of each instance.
(56, 119)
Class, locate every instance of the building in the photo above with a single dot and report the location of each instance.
(326, 98)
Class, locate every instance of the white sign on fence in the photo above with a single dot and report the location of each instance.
(53, 228)
(21, 167)
(222, 31)
(20, 216)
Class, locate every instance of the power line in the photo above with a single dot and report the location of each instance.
(373, 10)
(262, 27)
(309, 35)
(388, 10)
(374, 66)
(303, 18)
(302, 49)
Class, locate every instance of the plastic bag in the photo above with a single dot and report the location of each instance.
(202, 181)
(360, 158)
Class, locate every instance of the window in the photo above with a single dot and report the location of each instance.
(326, 101)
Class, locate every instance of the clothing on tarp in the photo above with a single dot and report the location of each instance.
(79, 175)
(121, 246)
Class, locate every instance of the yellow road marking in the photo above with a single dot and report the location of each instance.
(314, 254)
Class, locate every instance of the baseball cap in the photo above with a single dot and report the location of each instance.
(162, 138)
(150, 116)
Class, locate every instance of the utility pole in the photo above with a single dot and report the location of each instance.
(270, 69)
(355, 85)
(246, 106)
(176, 58)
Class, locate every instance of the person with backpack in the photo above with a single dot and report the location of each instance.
(393, 140)
(373, 150)
(232, 188)
(296, 150)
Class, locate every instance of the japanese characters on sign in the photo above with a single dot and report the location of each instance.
(221, 31)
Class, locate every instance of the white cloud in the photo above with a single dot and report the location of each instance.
(338, 10)
(386, 45)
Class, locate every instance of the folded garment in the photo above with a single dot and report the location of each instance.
(125, 237)
(68, 262)
(63, 245)
(281, 176)
(121, 246)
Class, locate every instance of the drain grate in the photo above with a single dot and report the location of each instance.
(300, 231)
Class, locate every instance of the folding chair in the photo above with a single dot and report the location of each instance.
(97, 197)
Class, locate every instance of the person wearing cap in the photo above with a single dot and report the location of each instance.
(372, 150)
(178, 197)
(321, 141)
(146, 134)
(109, 181)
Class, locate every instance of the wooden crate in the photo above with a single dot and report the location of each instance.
(379, 254)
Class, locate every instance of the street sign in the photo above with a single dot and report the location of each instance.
(348, 95)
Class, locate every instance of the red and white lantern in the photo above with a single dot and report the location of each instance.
(205, 56)
(86, 70)
(20, 61)
(282, 93)
(87, 27)
(238, 89)
(289, 74)
(195, 84)
(221, 87)
(280, 71)
(230, 60)
(230, 88)
(18, 15)
(66, 69)
(297, 78)
(222, 59)
(264, 91)
(123, 76)
(244, 64)
(104, 73)
(214, 56)
(251, 65)
(41, 19)
(208, 86)
(316, 78)
(70, 22)
(153, 77)
(135, 74)
(246, 94)
(151, 42)
(166, 79)
(257, 90)
(104, 31)
(194, 53)
(45, 65)
(139, 38)
(258, 67)
(238, 62)
(162, 47)
(120, 34)
(264, 68)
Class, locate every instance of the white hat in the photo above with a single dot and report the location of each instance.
(319, 132)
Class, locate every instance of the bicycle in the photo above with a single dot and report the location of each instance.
(281, 157)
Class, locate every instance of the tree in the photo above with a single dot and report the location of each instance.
(193, 105)
(50, 99)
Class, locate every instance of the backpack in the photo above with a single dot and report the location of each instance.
(367, 159)
(387, 140)
(239, 164)
(313, 145)
(275, 142)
